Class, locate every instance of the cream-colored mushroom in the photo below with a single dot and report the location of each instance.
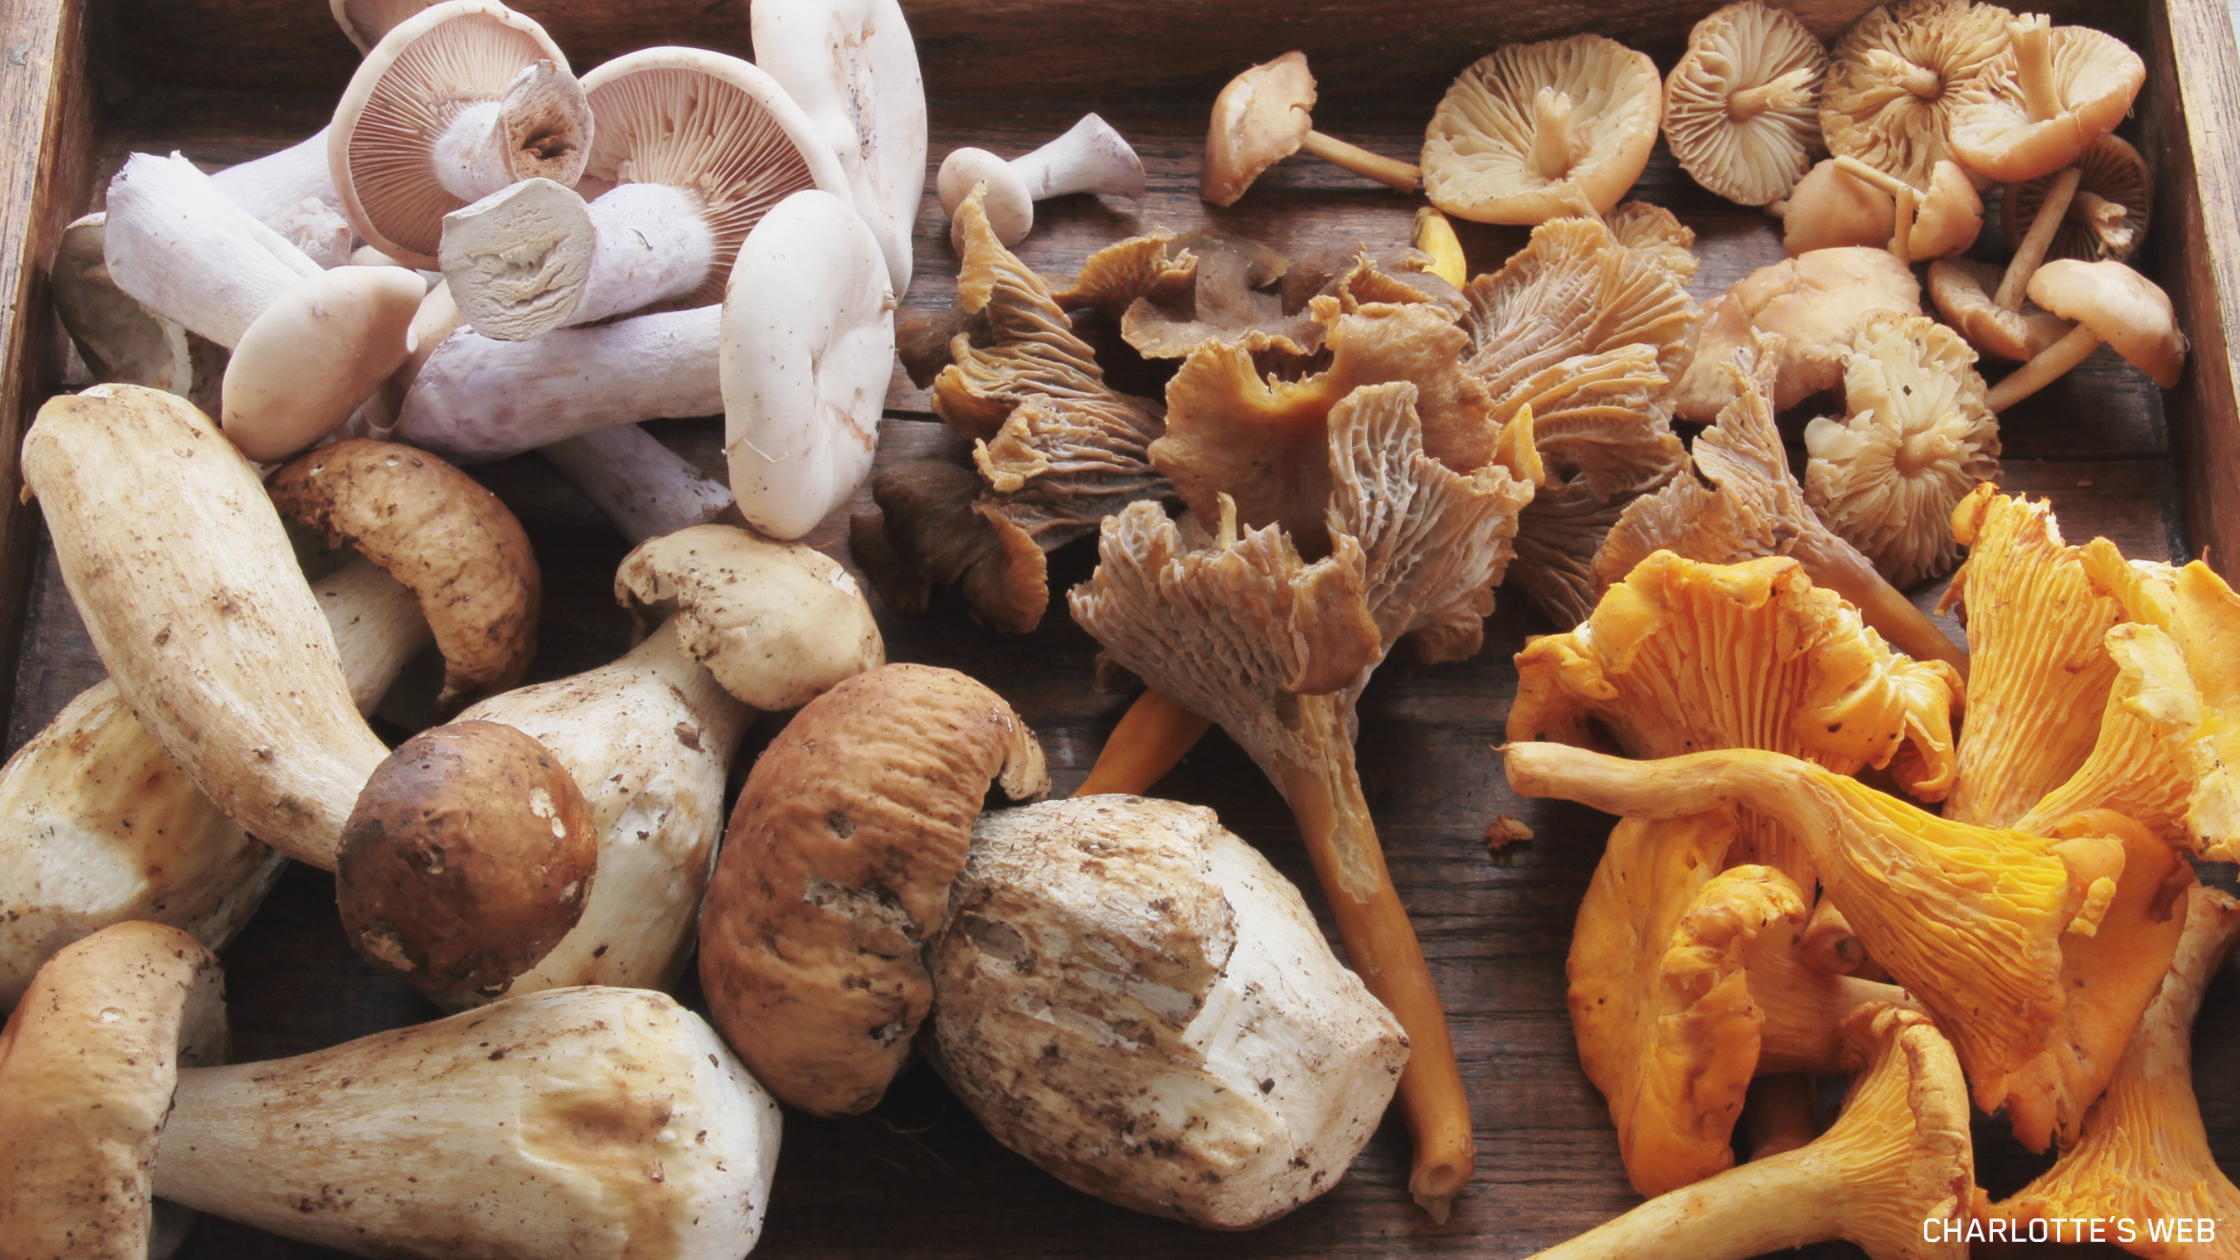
(1262, 117)
(2044, 100)
(2109, 214)
(120, 340)
(1090, 158)
(1741, 107)
(1965, 293)
(2111, 303)
(640, 485)
(1816, 302)
(1532, 132)
(1894, 77)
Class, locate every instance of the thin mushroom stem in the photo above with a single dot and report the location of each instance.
(2032, 251)
(1398, 175)
(2032, 40)
(1785, 92)
(1909, 204)
(1152, 736)
(2049, 365)
(1876, 176)
(1551, 134)
(1767, 1205)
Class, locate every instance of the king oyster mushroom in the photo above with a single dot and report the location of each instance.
(1134, 999)
(1532, 132)
(1090, 158)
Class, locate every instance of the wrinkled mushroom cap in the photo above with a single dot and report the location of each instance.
(1479, 152)
(320, 349)
(2130, 312)
(2108, 218)
(1903, 1138)
(1817, 303)
(2095, 77)
(1260, 119)
(1963, 290)
(1870, 112)
(1755, 150)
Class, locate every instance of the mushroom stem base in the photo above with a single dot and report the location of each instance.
(1151, 738)
(2050, 365)
(1398, 175)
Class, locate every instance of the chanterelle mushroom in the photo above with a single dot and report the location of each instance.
(1075, 920)
(1894, 78)
(2039, 104)
(1741, 109)
(1532, 132)
(1262, 118)
(1818, 302)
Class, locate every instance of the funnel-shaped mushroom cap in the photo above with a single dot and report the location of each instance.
(1134, 999)
(1894, 79)
(808, 347)
(2109, 216)
(2139, 767)
(88, 1063)
(2130, 312)
(1962, 289)
(1532, 132)
(445, 537)
(853, 69)
(315, 354)
(1657, 232)
(2041, 103)
(1917, 439)
(715, 126)
(445, 61)
(777, 624)
(1261, 118)
(1818, 303)
(1742, 109)
(1157, 267)
(836, 871)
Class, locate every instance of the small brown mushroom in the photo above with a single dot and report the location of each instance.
(2038, 105)
(2111, 303)
(1262, 118)
(1963, 290)
(1894, 77)
(1741, 109)
(1532, 132)
(2107, 218)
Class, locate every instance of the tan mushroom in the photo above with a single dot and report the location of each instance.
(1817, 303)
(1894, 80)
(1532, 132)
(2107, 218)
(2042, 102)
(1262, 117)
(1965, 293)
(2111, 303)
(1831, 208)
(1741, 109)
(1657, 232)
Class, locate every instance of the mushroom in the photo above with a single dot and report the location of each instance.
(1830, 208)
(1532, 132)
(836, 871)
(366, 21)
(2111, 303)
(456, 102)
(1916, 439)
(1895, 80)
(1741, 109)
(2137, 766)
(177, 246)
(2108, 216)
(642, 486)
(1964, 290)
(293, 193)
(120, 340)
(853, 69)
(1895, 1169)
(1818, 302)
(1434, 235)
(1262, 117)
(1657, 232)
(1089, 158)
(2044, 100)
(808, 348)
(1943, 217)
(694, 148)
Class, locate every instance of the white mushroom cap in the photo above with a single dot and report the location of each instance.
(316, 353)
(1531, 132)
(853, 69)
(1009, 205)
(366, 21)
(808, 349)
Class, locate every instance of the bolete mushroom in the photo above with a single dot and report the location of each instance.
(1075, 920)
(1089, 158)
(1532, 132)
(2111, 303)
(1262, 117)
(1894, 80)
(2044, 100)
(1741, 108)
(2107, 217)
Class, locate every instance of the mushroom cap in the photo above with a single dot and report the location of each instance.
(1963, 290)
(1904, 1137)
(928, 530)
(427, 70)
(1756, 156)
(1260, 118)
(1077, 917)
(366, 21)
(2116, 177)
(808, 348)
(2095, 78)
(1225, 299)
(469, 854)
(1917, 439)
(1949, 217)
(853, 69)
(1867, 110)
(1157, 266)
(441, 533)
(1479, 149)
(351, 324)
(1009, 204)
(88, 1063)
(1657, 232)
(836, 870)
(1830, 208)
(715, 126)
(1816, 302)
(777, 623)
(2130, 312)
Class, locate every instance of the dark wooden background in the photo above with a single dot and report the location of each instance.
(224, 80)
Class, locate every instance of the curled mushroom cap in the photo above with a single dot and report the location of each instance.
(836, 870)
(1818, 302)
(1259, 119)
(2042, 102)
(1532, 132)
(1074, 920)
(2107, 218)
(1917, 439)
(1741, 109)
(1894, 78)
(1963, 290)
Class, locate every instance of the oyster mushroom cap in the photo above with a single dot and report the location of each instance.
(2127, 310)
(1817, 302)
(1259, 119)
(1894, 80)
(1916, 440)
(836, 869)
(1254, 1066)
(1831, 208)
(1741, 109)
(1532, 132)
(2107, 218)
(1963, 290)
(2038, 105)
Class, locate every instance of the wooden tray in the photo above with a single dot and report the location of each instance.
(83, 82)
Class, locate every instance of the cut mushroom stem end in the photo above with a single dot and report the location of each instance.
(1391, 172)
(1151, 738)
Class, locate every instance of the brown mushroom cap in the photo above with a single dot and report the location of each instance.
(2085, 82)
(836, 871)
(1962, 289)
(442, 535)
(1741, 109)
(1531, 132)
(2108, 217)
(469, 854)
(1892, 80)
(2130, 312)
(1830, 208)
(1261, 118)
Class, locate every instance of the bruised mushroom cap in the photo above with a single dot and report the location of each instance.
(776, 623)
(88, 1064)
(315, 354)
(808, 347)
(2108, 217)
(1741, 109)
(423, 74)
(715, 126)
(836, 870)
(1532, 132)
(1962, 289)
(1260, 118)
(1917, 439)
(2000, 132)
(1134, 999)
(443, 535)
(1817, 302)
(2130, 312)
(1893, 77)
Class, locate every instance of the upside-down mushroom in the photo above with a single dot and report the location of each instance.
(1532, 132)
(2110, 303)
(1741, 109)
(2107, 217)
(1894, 81)
(1817, 302)
(2044, 100)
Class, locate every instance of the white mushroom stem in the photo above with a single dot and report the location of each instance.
(481, 399)
(2046, 367)
(1788, 91)
(2032, 39)
(184, 250)
(642, 486)
(292, 192)
(1089, 158)
(2032, 251)
(1874, 175)
(474, 155)
(1551, 133)
(535, 256)
(1919, 80)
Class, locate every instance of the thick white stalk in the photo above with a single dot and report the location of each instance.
(1090, 157)
(265, 186)
(470, 156)
(642, 486)
(535, 256)
(651, 244)
(181, 248)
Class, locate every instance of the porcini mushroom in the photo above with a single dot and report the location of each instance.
(1262, 117)
(2111, 303)
(2108, 216)
(1818, 302)
(1090, 158)
(2039, 104)
(1894, 80)
(1741, 109)
(1532, 132)
(1073, 920)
